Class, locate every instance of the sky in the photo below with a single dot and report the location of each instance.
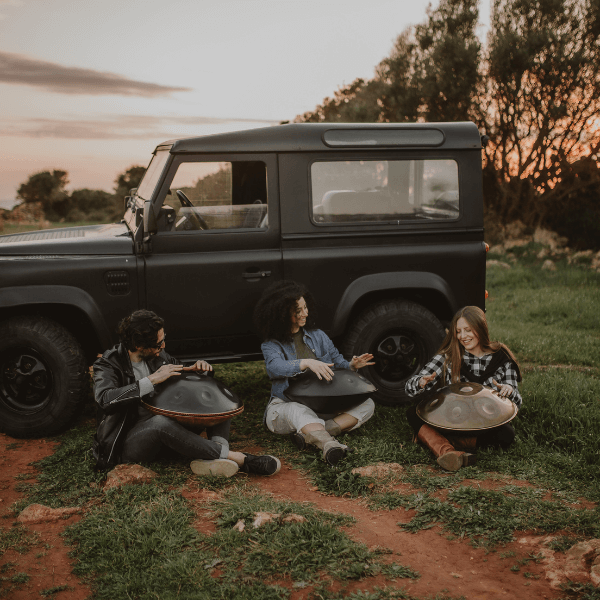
(92, 86)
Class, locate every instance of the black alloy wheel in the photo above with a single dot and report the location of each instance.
(402, 336)
(43, 377)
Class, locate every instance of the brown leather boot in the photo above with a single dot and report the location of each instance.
(460, 442)
(447, 457)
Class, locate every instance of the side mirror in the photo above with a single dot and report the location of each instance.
(149, 218)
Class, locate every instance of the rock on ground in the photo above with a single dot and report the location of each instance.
(38, 513)
(379, 471)
(128, 475)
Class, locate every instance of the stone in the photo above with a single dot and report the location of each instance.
(595, 571)
(239, 526)
(548, 265)
(128, 475)
(262, 518)
(38, 513)
(379, 471)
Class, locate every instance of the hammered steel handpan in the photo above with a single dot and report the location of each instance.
(346, 390)
(466, 407)
(194, 400)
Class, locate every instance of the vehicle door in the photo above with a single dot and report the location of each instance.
(216, 250)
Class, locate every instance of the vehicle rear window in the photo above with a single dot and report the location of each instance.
(385, 191)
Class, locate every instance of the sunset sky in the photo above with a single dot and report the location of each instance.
(91, 87)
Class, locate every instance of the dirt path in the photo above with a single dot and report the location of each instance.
(450, 566)
(46, 562)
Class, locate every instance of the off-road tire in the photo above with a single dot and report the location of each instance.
(402, 336)
(43, 377)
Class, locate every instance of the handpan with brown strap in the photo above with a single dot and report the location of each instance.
(195, 400)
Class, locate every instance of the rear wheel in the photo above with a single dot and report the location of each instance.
(402, 336)
(43, 377)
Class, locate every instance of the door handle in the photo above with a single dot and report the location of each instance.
(256, 275)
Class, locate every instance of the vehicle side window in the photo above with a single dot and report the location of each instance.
(384, 190)
(219, 195)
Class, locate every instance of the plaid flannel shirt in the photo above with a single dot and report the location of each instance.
(504, 374)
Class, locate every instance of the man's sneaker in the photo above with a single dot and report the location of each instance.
(260, 465)
(220, 466)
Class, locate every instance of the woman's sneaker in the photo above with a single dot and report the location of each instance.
(260, 465)
(220, 466)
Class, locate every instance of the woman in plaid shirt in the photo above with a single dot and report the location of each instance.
(467, 354)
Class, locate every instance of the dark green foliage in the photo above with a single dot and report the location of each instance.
(48, 188)
(431, 73)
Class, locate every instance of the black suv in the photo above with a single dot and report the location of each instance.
(383, 223)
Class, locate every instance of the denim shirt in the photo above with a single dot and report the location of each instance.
(281, 361)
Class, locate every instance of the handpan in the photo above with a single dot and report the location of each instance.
(466, 407)
(194, 400)
(346, 390)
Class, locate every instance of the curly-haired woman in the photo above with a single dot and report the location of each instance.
(285, 316)
(466, 354)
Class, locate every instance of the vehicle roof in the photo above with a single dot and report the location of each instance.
(298, 137)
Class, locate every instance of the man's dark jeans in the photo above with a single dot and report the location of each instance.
(148, 437)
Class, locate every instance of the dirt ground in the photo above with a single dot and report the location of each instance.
(453, 567)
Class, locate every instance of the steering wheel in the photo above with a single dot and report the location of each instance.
(192, 216)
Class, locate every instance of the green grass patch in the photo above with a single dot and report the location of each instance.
(140, 544)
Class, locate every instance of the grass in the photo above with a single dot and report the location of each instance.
(136, 541)
(139, 544)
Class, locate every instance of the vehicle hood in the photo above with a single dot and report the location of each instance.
(74, 241)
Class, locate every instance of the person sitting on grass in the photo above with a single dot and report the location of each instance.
(129, 433)
(468, 355)
(285, 317)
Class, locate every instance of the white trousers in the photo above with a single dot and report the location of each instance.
(288, 417)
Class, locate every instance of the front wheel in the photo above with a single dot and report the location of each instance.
(402, 336)
(43, 377)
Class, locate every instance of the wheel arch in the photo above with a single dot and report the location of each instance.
(71, 307)
(427, 289)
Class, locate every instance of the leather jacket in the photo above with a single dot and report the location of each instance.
(117, 396)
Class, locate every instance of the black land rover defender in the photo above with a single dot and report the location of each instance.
(383, 223)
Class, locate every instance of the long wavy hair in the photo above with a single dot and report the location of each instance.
(273, 313)
(452, 349)
(140, 330)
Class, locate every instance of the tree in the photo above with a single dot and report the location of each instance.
(432, 74)
(48, 188)
(90, 205)
(542, 101)
(128, 180)
(124, 183)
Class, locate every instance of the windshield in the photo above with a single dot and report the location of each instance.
(152, 175)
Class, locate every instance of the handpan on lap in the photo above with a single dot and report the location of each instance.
(346, 390)
(466, 407)
(194, 400)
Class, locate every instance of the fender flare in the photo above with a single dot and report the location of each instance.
(32, 295)
(381, 282)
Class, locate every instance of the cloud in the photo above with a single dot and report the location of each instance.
(21, 70)
(120, 127)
